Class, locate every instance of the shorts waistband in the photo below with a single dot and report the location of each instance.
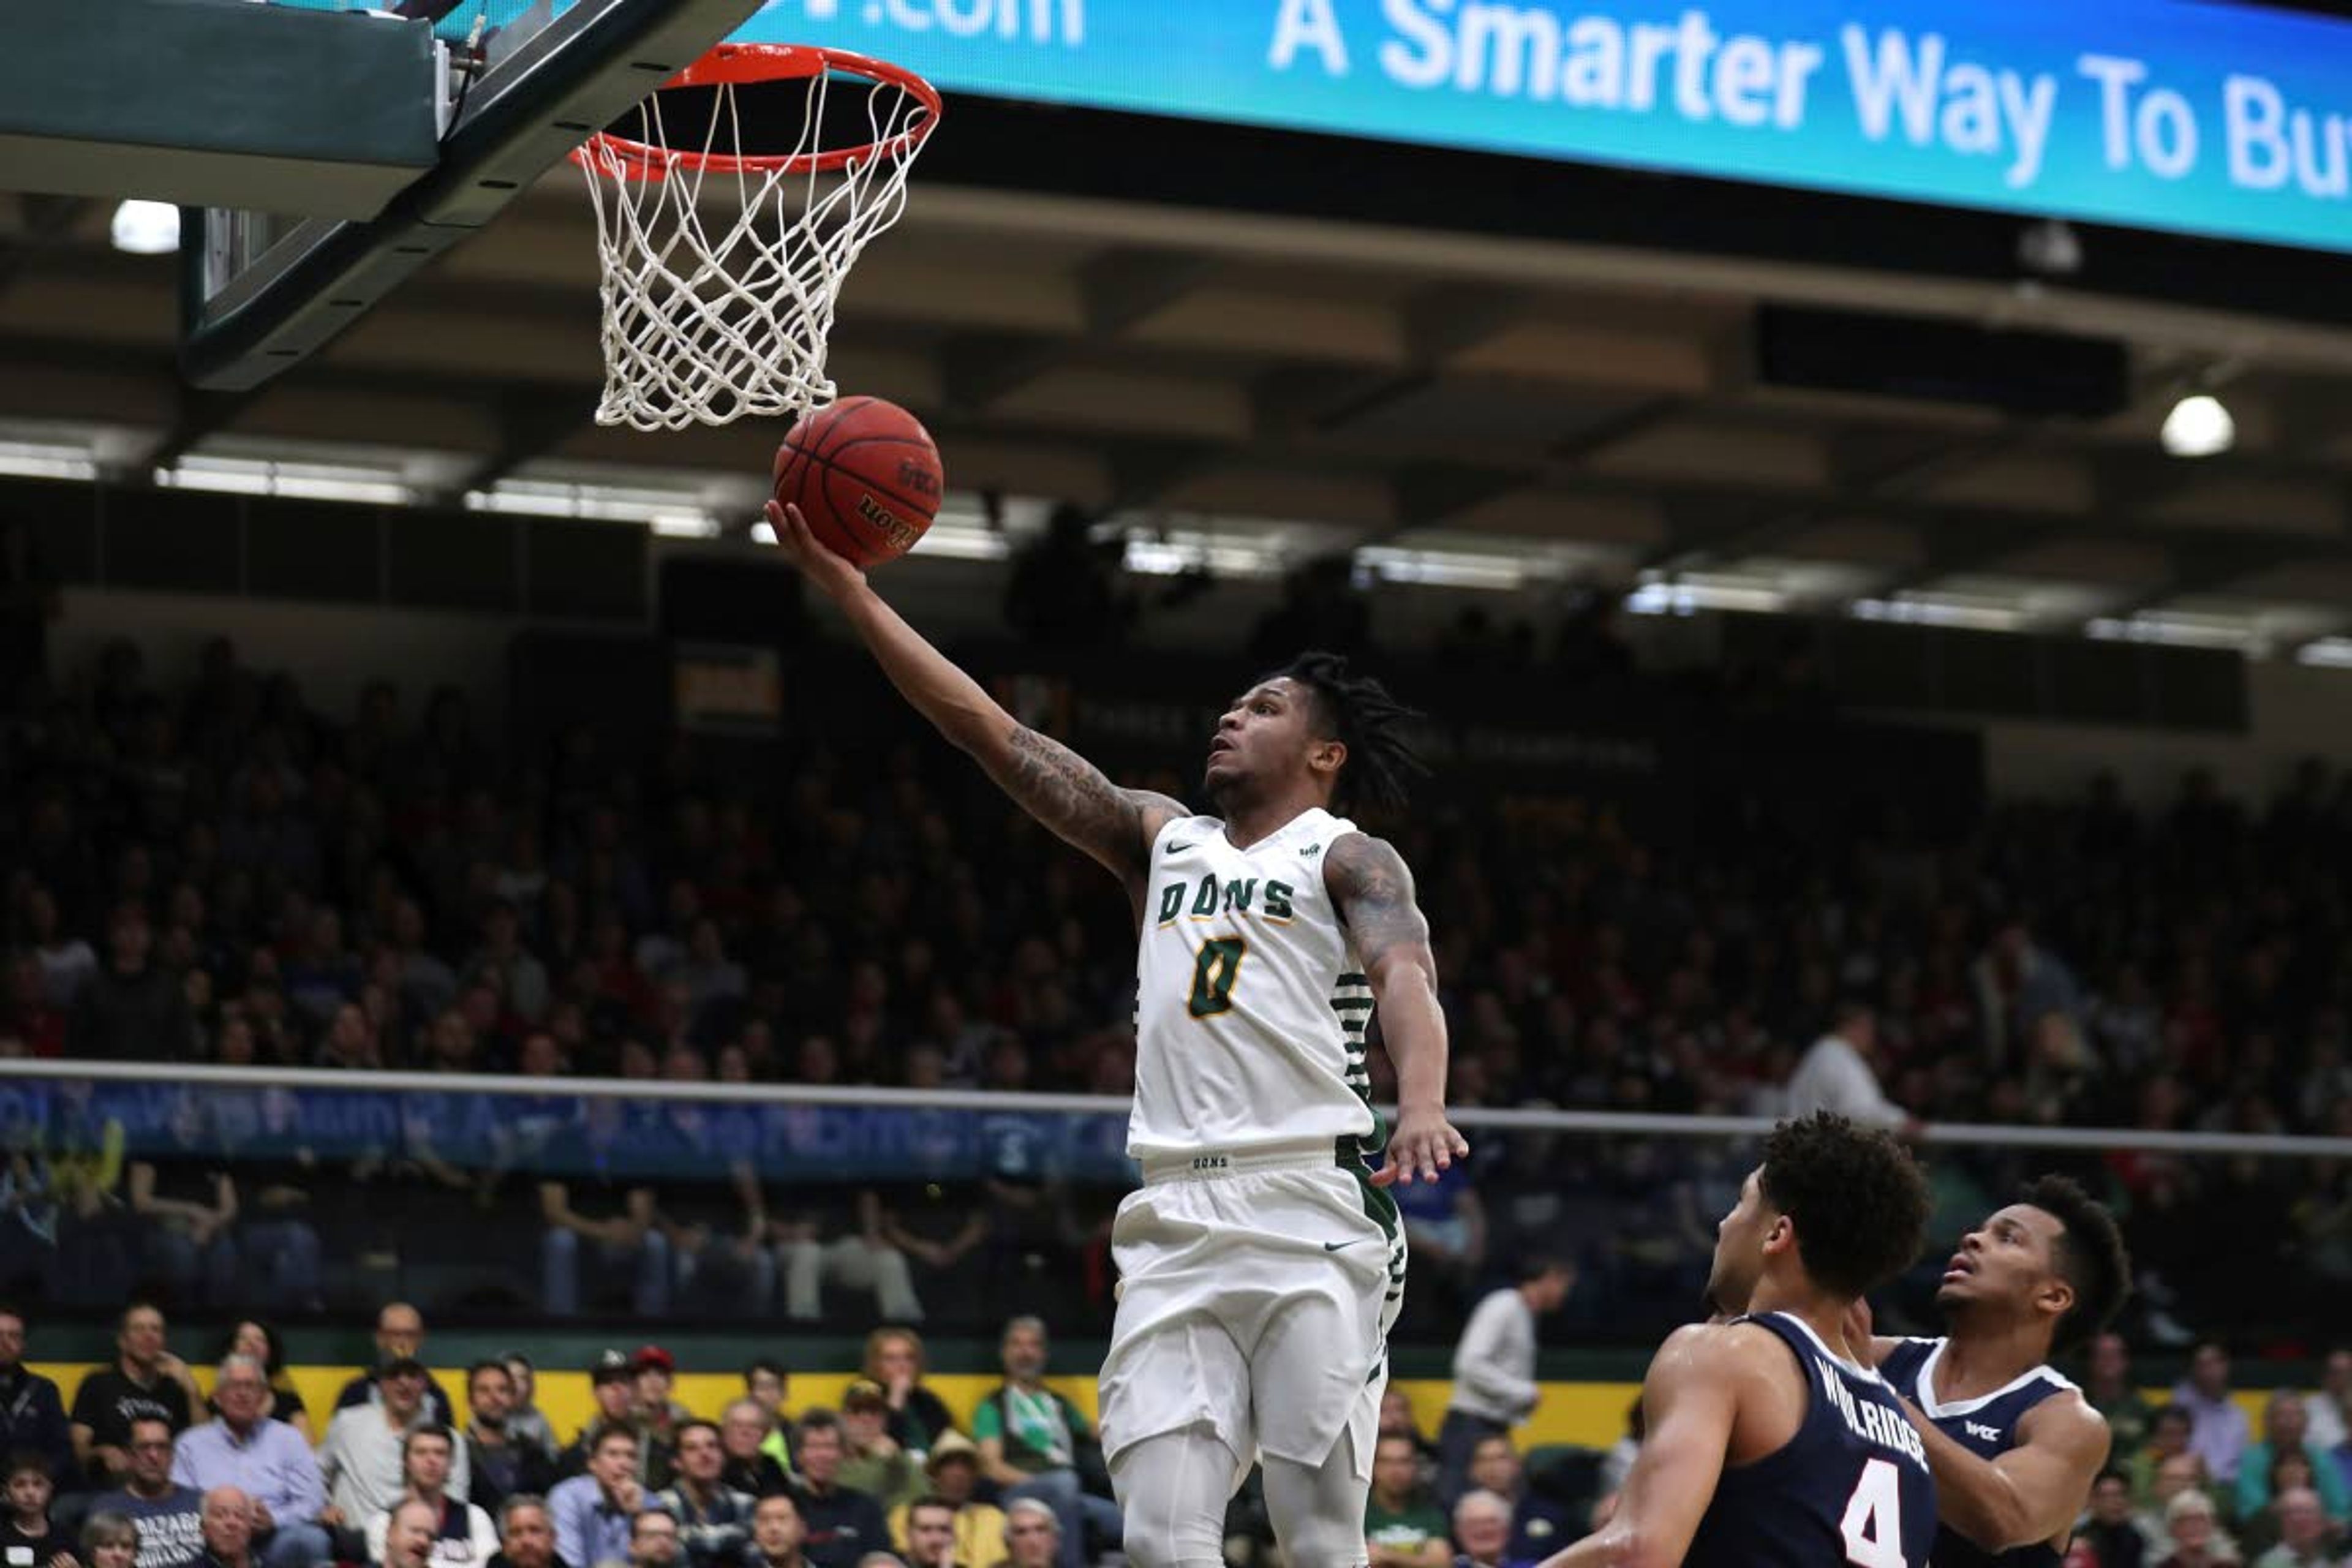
(1208, 1164)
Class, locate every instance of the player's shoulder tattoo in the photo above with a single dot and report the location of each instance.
(1372, 889)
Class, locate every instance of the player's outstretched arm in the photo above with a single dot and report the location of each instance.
(2031, 1494)
(1373, 886)
(1053, 784)
(1689, 1402)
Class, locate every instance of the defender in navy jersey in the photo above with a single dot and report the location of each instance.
(1765, 1446)
(2014, 1447)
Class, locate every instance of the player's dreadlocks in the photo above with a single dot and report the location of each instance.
(1357, 712)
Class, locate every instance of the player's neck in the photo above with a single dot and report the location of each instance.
(1802, 1300)
(1982, 1353)
(1250, 821)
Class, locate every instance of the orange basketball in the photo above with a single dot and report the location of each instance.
(866, 475)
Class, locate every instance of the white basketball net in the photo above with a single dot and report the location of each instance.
(710, 325)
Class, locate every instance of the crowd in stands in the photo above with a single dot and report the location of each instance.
(396, 1477)
(222, 873)
(2192, 1483)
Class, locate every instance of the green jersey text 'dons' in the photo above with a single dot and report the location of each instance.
(1251, 1007)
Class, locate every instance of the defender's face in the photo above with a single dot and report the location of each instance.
(2010, 1257)
(1263, 734)
(1739, 1249)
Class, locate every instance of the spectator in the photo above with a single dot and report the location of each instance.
(1033, 1537)
(500, 1464)
(894, 1358)
(2018, 982)
(525, 1534)
(1031, 1440)
(263, 1457)
(2303, 1533)
(2286, 1426)
(1495, 1366)
(768, 1385)
(1482, 1530)
(399, 1336)
(653, 1373)
(227, 1524)
(32, 1413)
(461, 1534)
(875, 1465)
(2195, 1534)
(616, 1230)
(110, 1541)
(408, 1538)
(185, 1202)
(1836, 1075)
(776, 1531)
(954, 1469)
(859, 1258)
(133, 1009)
(2181, 1473)
(748, 1468)
(653, 1538)
(839, 1525)
(258, 1341)
(29, 1530)
(525, 1425)
(1537, 1529)
(713, 1521)
(931, 1534)
(363, 1458)
(2109, 1390)
(1445, 1224)
(168, 1516)
(1403, 1527)
(2167, 1439)
(2219, 1430)
(614, 1390)
(2330, 1408)
(1397, 1420)
(613, 1382)
(592, 1511)
(2108, 1538)
(144, 1379)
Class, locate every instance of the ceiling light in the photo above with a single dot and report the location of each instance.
(2198, 426)
(147, 228)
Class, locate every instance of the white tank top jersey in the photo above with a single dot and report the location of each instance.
(1251, 1006)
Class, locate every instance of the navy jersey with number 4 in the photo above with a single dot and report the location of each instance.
(1985, 1427)
(1851, 1487)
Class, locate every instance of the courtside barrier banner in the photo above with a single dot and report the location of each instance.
(2197, 117)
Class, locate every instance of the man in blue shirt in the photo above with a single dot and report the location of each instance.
(266, 1459)
(593, 1512)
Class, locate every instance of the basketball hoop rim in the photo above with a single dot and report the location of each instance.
(745, 65)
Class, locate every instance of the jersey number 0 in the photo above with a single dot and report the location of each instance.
(1213, 973)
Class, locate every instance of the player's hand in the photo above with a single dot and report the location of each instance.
(821, 565)
(1425, 1145)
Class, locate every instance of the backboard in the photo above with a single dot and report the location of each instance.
(518, 84)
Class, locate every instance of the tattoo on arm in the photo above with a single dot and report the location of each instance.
(1373, 887)
(1070, 795)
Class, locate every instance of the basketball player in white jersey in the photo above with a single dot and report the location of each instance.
(1262, 1262)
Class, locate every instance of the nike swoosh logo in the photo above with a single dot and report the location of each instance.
(1178, 848)
(1335, 1246)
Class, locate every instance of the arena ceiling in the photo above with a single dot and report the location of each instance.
(1592, 414)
